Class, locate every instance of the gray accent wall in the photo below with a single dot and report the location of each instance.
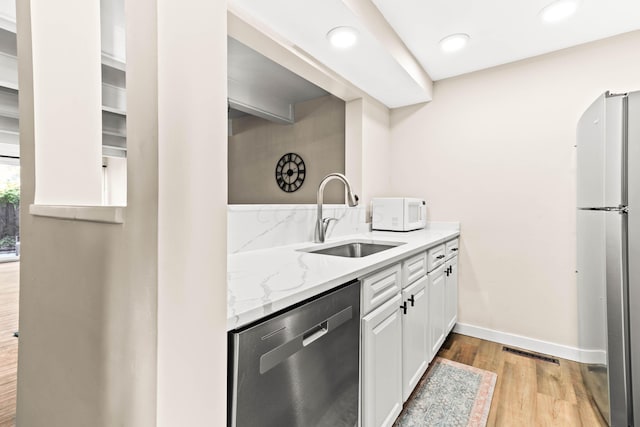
(256, 145)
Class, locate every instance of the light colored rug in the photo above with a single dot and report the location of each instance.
(452, 395)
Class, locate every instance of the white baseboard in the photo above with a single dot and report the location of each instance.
(531, 344)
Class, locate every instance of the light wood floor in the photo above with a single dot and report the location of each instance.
(528, 392)
(9, 284)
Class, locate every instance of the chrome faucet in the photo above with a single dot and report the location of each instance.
(323, 223)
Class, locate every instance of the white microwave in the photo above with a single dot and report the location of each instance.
(398, 214)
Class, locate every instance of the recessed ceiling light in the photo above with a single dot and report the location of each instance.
(454, 42)
(559, 10)
(343, 37)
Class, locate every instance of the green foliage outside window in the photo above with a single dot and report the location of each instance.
(10, 194)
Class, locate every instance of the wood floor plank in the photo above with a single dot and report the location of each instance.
(555, 382)
(552, 412)
(9, 285)
(528, 392)
(519, 383)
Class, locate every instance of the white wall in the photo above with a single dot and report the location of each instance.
(115, 175)
(108, 337)
(368, 149)
(495, 150)
(192, 285)
(88, 291)
(376, 151)
(74, 131)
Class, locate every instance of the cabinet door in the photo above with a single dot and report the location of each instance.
(414, 335)
(382, 365)
(436, 309)
(451, 293)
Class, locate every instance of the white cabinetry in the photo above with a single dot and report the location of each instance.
(414, 335)
(436, 309)
(442, 264)
(451, 293)
(407, 313)
(382, 365)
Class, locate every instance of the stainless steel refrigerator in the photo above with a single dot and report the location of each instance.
(608, 259)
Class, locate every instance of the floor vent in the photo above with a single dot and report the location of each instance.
(531, 355)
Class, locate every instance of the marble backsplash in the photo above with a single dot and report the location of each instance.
(252, 227)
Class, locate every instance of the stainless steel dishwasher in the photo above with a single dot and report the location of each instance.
(299, 368)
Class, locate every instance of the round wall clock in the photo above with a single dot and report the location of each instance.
(290, 172)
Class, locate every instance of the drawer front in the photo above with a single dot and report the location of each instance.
(451, 248)
(436, 257)
(414, 268)
(380, 287)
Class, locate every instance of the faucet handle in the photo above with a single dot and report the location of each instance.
(326, 222)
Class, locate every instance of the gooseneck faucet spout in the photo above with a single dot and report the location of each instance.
(323, 223)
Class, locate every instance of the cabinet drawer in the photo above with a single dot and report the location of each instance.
(435, 257)
(451, 248)
(380, 287)
(414, 268)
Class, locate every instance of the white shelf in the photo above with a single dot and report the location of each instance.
(113, 62)
(114, 145)
(109, 132)
(9, 137)
(8, 85)
(114, 99)
(9, 132)
(7, 22)
(8, 71)
(108, 151)
(110, 109)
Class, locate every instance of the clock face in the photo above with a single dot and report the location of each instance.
(290, 172)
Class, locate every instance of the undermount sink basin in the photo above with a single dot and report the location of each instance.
(353, 249)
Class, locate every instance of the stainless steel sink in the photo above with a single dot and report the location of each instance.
(353, 249)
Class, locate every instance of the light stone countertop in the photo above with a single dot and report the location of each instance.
(262, 282)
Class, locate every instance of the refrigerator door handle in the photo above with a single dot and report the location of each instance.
(620, 209)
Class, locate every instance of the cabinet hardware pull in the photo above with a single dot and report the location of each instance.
(440, 257)
(450, 269)
(454, 249)
(404, 307)
(446, 272)
(412, 300)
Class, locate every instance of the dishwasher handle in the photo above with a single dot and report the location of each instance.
(274, 357)
(315, 333)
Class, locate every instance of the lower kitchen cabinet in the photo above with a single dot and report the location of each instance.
(451, 293)
(382, 365)
(436, 309)
(415, 335)
(407, 314)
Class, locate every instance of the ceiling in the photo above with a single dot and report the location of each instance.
(305, 25)
(501, 31)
